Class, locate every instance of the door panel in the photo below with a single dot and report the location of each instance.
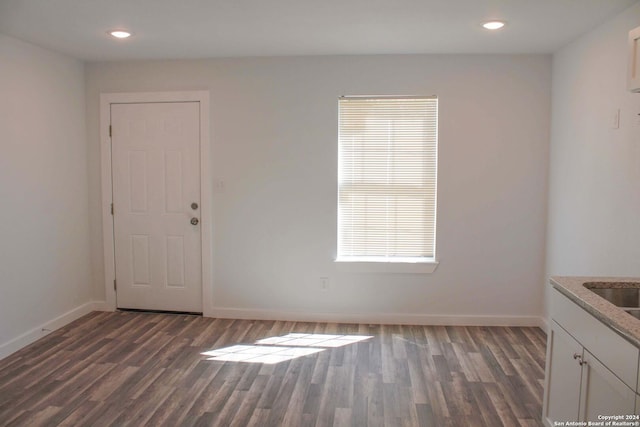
(175, 261)
(140, 259)
(138, 181)
(603, 392)
(156, 178)
(562, 393)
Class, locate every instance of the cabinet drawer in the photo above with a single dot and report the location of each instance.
(616, 353)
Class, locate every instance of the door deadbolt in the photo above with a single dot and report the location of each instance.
(194, 221)
(194, 206)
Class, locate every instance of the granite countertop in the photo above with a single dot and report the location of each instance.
(615, 317)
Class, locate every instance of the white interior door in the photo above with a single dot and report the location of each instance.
(156, 196)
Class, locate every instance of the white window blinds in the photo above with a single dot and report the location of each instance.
(387, 178)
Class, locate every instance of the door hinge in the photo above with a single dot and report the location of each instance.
(115, 285)
(110, 131)
(111, 208)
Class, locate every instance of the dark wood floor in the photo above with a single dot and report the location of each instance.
(138, 369)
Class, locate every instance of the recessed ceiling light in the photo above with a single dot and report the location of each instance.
(120, 34)
(493, 25)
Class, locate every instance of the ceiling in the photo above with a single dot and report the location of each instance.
(166, 29)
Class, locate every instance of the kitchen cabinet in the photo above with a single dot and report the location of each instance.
(590, 370)
(602, 393)
(562, 394)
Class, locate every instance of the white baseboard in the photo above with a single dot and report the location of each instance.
(101, 306)
(46, 328)
(379, 318)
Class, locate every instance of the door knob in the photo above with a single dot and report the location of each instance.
(194, 221)
(194, 206)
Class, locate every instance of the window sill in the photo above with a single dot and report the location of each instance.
(395, 267)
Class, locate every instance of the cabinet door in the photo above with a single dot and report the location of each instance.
(563, 375)
(602, 392)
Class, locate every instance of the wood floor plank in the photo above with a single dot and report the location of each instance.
(250, 402)
(439, 402)
(342, 417)
(285, 392)
(507, 417)
(294, 411)
(136, 368)
(466, 365)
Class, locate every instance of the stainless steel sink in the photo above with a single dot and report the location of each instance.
(623, 294)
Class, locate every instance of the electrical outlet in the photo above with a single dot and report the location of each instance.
(324, 284)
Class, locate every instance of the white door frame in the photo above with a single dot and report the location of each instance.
(106, 99)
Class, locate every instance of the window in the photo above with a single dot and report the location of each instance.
(387, 170)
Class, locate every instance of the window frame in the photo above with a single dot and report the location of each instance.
(400, 264)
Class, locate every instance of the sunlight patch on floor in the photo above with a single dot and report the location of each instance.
(259, 354)
(280, 349)
(314, 340)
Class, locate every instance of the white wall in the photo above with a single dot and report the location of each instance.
(274, 130)
(594, 200)
(44, 232)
